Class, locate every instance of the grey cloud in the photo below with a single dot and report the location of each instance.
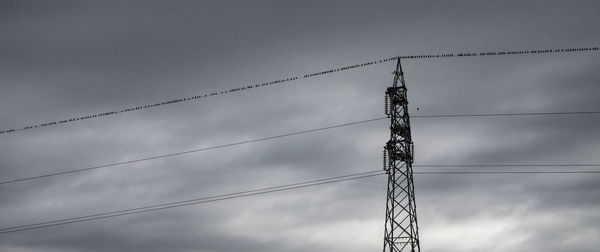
(67, 58)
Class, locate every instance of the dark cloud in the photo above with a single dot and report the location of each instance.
(64, 59)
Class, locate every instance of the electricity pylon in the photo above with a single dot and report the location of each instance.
(401, 231)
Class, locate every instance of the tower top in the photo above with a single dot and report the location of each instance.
(398, 75)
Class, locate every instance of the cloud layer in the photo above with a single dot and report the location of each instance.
(63, 59)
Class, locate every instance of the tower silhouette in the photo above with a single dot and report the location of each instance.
(401, 230)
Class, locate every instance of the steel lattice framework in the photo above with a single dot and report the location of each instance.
(401, 231)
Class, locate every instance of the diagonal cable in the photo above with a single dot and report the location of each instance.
(305, 76)
(189, 151)
(202, 200)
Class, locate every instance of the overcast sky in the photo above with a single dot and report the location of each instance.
(64, 59)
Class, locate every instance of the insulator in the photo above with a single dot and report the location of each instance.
(387, 109)
(385, 163)
(412, 151)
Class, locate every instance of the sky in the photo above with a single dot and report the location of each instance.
(65, 59)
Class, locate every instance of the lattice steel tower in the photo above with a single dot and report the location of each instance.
(401, 231)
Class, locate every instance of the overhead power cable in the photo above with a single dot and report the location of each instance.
(266, 190)
(190, 151)
(505, 172)
(196, 201)
(506, 165)
(509, 114)
(298, 77)
(281, 136)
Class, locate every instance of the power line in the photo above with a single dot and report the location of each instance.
(285, 135)
(510, 114)
(202, 200)
(191, 151)
(253, 192)
(297, 77)
(505, 172)
(506, 165)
